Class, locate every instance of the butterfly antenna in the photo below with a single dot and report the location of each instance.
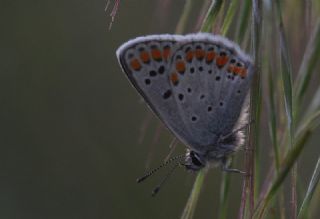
(159, 167)
(157, 188)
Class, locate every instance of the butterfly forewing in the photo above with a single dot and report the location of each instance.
(196, 83)
(146, 61)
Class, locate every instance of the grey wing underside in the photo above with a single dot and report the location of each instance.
(207, 100)
(154, 93)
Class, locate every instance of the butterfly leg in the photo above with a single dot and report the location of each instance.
(225, 167)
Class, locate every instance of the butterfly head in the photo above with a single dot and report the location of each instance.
(194, 161)
(217, 154)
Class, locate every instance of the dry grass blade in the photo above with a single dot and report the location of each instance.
(183, 18)
(211, 15)
(273, 121)
(314, 182)
(255, 107)
(229, 17)
(309, 62)
(243, 21)
(315, 104)
(302, 136)
(286, 69)
(193, 199)
(224, 194)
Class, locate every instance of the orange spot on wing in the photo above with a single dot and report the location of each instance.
(243, 72)
(135, 64)
(237, 70)
(166, 53)
(222, 60)
(156, 54)
(231, 68)
(189, 56)
(180, 66)
(174, 78)
(144, 56)
(210, 57)
(200, 54)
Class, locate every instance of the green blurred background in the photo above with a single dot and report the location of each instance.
(71, 123)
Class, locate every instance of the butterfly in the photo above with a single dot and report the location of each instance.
(197, 84)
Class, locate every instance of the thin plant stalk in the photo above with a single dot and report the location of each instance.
(311, 190)
(302, 136)
(243, 21)
(211, 15)
(229, 17)
(287, 85)
(224, 194)
(309, 62)
(194, 196)
(181, 26)
(255, 103)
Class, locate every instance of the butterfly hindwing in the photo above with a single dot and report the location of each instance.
(213, 80)
(191, 90)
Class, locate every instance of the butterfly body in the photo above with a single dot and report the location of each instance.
(197, 85)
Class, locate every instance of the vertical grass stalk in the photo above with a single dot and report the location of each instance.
(211, 15)
(194, 196)
(184, 17)
(255, 104)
